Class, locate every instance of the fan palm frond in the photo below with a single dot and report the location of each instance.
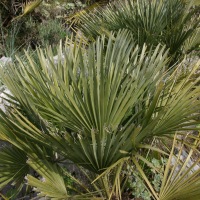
(13, 167)
(74, 19)
(150, 22)
(182, 173)
(51, 183)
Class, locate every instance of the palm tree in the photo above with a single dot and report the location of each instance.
(97, 106)
(169, 22)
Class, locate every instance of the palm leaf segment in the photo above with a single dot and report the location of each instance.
(104, 100)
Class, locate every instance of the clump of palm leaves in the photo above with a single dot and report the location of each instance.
(97, 107)
(170, 22)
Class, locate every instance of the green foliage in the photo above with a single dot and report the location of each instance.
(94, 117)
(136, 183)
(8, 39)
(150, 22)
(58, 9)
(44, 26)
(50, 175)
(96, 106)
(51, 32)
(13, 169)
(158, 177)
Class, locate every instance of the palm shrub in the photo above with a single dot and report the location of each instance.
(96, 106)
(169, 22)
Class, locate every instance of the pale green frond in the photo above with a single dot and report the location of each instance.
(181, 178)
(13, 167)
(193, 41)
(74, 18)
(51, 184)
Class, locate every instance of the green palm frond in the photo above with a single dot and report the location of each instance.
(182, 177)
(51, 183)
(83, 99)
(102, 101)
(74, 19)
(194, 2)
(13, 167)
(193, 42)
